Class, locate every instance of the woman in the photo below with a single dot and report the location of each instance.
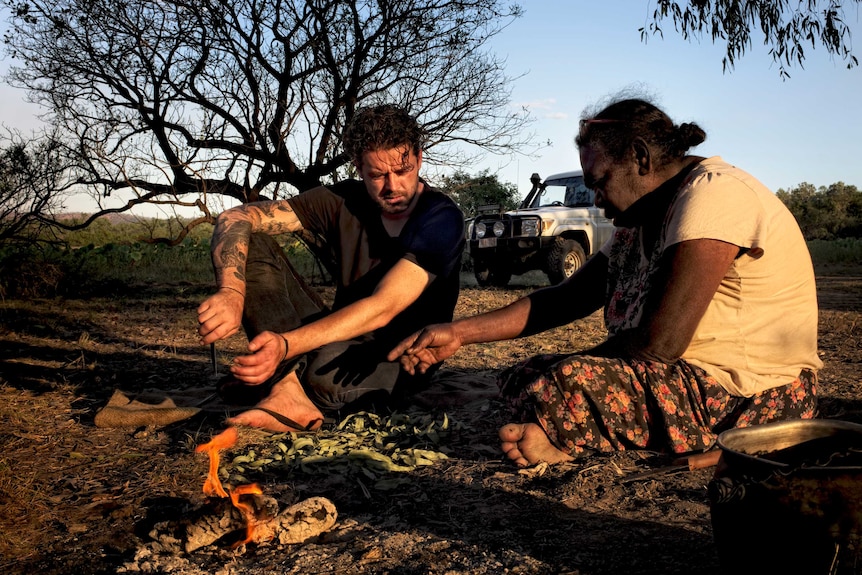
(708, 295)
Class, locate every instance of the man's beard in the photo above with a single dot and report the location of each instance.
(401, 206)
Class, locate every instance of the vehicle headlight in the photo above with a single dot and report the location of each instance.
(530, 228)
(499, 228)
(481, 230)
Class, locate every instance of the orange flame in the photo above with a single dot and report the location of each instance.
(246, 509)
(224, 440)
(213, 486)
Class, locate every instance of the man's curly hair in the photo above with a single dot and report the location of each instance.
(381, 128)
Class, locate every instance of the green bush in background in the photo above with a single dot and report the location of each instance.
(51, 270)
(844, 251)
(105, 259)
(117, 266)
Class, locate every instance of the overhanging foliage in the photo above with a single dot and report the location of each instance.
(788, 27)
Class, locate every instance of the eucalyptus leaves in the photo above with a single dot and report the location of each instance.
(364, 443)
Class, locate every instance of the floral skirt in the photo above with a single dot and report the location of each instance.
(587, 403)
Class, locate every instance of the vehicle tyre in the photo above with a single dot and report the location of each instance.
(482, 271)
(488, 274)
(564, 258)
(500, 276)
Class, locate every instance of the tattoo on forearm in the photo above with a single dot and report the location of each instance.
(233, 233)
(230, 248)
(268, 217)
(233, 258)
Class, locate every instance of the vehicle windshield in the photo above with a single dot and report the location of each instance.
(570, 192)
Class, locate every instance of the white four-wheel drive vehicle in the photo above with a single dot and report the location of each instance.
(555, 230)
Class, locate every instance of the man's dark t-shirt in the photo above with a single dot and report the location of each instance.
(347, 225)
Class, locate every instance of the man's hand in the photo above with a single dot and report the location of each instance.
(268, 349)
(220, 315)
(425, 348)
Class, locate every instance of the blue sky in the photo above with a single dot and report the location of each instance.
(570, 55)
(573, 54)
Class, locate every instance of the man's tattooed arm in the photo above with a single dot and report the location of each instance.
(229, 251)
(233, 232)
(273, 218)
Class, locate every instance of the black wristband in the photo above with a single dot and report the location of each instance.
(286, 347)
(233, 289)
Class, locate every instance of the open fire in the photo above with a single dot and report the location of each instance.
(224, 440)
(259, 512)
(255, 519)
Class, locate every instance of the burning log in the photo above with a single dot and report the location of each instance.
(210, 526)
(295, 524)
(243, 507)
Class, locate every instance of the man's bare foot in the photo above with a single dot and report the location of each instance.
(527, 444)
(287, 399)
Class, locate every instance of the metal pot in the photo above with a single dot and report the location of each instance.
(785, 445)
(787, 498)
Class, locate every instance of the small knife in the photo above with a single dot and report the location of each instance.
(213, 358)
(690, 463)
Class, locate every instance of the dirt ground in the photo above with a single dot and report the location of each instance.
(77, 498)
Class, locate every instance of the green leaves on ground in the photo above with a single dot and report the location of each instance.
(365, 444)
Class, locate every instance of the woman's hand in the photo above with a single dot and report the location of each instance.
(424, 348)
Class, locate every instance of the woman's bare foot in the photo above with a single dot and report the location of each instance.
(287, 399)
(527, 444)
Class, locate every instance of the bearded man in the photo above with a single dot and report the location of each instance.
(394, 245)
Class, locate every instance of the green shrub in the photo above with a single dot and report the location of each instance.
(30, 271)
(842, 251)
(48, 271)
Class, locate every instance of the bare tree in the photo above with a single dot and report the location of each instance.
(178, 101)
(32, 174)
(788, 27)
